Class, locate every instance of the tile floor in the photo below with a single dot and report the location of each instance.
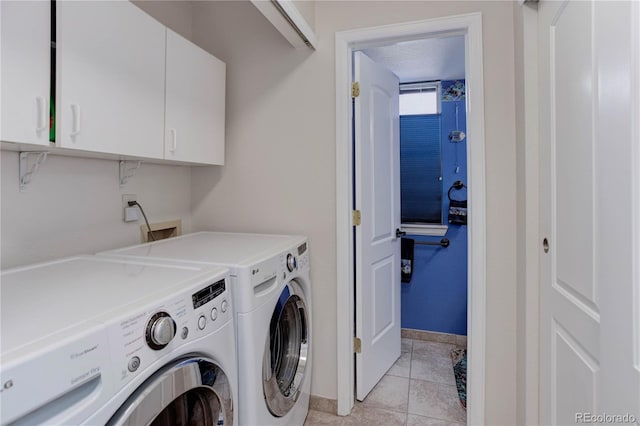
(419, 389)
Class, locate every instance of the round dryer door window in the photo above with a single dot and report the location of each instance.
(286, 351)
(192, 391)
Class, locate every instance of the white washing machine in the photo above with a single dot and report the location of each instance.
(94, 340)
(272, 295)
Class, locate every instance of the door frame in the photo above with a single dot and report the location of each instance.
(469, 25)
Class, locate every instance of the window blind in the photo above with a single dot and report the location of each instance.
(420, 171)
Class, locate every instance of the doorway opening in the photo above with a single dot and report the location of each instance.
(469, 28)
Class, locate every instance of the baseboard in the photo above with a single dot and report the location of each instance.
(326, 405)
(432, 336)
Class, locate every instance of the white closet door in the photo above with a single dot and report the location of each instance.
(110, 78)
(195, 103)
(25, 43)
(590, 292)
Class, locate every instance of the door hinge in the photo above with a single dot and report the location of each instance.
(355, 89)
(357, 345)
(355, 217)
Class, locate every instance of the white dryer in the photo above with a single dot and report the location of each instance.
(95, 340)
(272, 295)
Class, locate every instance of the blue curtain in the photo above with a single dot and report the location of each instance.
(420, 171)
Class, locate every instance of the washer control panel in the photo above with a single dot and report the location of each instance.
(138, 340)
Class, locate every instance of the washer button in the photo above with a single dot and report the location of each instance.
(185, 333)
(202, 322)
(134, 363)
(223, 306)
(214, 314)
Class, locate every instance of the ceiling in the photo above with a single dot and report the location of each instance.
(422, 60)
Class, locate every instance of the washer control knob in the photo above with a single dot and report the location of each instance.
(291, 262)
(161, 329)
(224, 306)
(214, 314)
(202, 322)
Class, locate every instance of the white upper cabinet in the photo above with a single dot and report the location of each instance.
(125, 85)
(195, 103)
(110, 79)
(25, 63)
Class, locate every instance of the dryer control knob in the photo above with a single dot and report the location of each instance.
(160, 330)
(291, 262)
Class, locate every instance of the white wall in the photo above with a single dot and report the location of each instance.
(280, 167)
(74, 205)
(526, 51)
(177, 15)
(307, 9)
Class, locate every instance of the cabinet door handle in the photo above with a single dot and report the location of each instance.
(174, 140)
(41, 119)
(75, 120)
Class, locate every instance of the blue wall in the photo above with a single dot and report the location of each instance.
(436, 297)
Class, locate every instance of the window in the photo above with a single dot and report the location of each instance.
(420, 169)
(419, 98)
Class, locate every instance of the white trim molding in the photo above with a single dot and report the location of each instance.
(469, 25)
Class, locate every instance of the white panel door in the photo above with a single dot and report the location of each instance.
(195, 103)
(377, 153)
(25, 61)
(589, 293)
(110, 78)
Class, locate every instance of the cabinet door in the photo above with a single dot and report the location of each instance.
(195, 103)
(25, 58)
(110, 78)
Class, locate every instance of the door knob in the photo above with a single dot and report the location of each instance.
(545, 245)
(400, 233)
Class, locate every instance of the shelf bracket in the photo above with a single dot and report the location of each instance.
(26, 171)
(126, 174)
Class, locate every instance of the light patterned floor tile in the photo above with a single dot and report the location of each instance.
(406, 345)
(435, 400)
(413, 420)
(432, 348)
(402, 367)
(365, 416)
(434, 368)
(418, 390)
(391, 393)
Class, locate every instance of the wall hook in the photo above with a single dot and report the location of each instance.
(126, 174)
(26, 172)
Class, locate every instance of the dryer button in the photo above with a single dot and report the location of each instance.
(202, 322)
(214, 314)
(223, 306)
(185, 333)
(134, 363)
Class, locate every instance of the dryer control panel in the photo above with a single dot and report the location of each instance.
(297, 258)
